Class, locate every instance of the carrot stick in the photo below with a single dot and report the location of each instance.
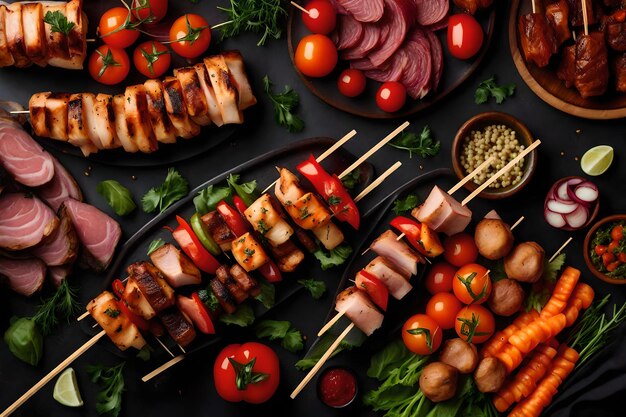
(538, 331)
(498, 340)
(561, 293)
(526, 379)
(582, 297)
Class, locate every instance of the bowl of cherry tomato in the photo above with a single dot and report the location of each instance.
(605, 249)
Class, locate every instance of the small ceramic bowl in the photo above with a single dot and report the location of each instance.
(587, 247)
(523, 135)
(337, 383)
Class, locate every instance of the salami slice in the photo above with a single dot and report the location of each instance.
(398, 17)
(416, 75)
(437, 58)
(430, 12)
(349, 32)
(364, 11)
(371, 37)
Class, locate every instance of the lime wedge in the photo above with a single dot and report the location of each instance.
(597, 160)
(66, 389)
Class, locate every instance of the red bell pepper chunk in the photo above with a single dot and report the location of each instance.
(233, 219)
(422, 238)
(270, 271)
(118, 288)
(374, 287)
(239, 204)
(196, 311)
(190, 244)
(138, 321)
(332, 190)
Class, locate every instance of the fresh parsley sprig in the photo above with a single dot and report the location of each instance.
(111, 382)
(284, 105)
(423, 145)
(173, 189)
(489, 88)
(58, 22)
(266, 17)
(401, 206)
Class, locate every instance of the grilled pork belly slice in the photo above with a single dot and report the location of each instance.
(136, 301)
(176, 109)
(122, 332)
(359, 309)
(397, 283)
(138, 119)
(248, 252)
(235, 64)
(97, 232)
(25, 222)
(152, 285)
(61, 187)
(175, 266)
(209, 94)
(104, 121)
(396, 251)
(78, 129)
(287, 255)
(194, 97)
(223, 296)
(268, 221)
(62, 246)
(224, 88)
(223, 275)
(219, 230)
(35, 43)
(6, 59)
(245, 281)
(121, 127)
(161, 125)
(24, 276)
(177, 326)
(442, 213)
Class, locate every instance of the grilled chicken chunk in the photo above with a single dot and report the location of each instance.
(235, 64)
(77, 123)
(6, 59)
(136, 301)
(223, 275)
(329, 235)
(223, 296)
(123, 332)
(14, 30)
(161, 125)
(245, 281)
(268, 221)
(396, 251)
(121, 127)
(77, 38)
(34, 33)
(224, 87)
(248, 252)
(209, 94)
(175, 266)
(177, 326)
(105, 121)
(392, 277)
(194, 97)
(176, 109)
(152, 285)
(218, 229)
(359, 309)
(138, 119)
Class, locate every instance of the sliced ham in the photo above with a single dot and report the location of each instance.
(175, 266)
(364, 11)
(97, 232)
(357, 306)
(392, 70)
(24, 276)
(396, 251)
(22, 157)
(436, 53)
(396, 282)
(398, 17)
(430, 12)
(369, 41)
(62, 186)
(62, 247)
(349, 32)
(58, 274)
(442, 213)
(417, 74)
(25, 221)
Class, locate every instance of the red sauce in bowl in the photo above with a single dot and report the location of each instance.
(337, 387)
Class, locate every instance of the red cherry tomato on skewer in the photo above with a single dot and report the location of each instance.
(321, 17)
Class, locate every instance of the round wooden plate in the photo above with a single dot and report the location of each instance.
(546, 85)
(455, 72)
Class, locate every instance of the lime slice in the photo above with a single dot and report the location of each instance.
(66, 389)
(597, 160)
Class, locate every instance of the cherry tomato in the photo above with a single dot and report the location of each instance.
(152, 59)
(440, 277)
(472, 284)
(443, 308)
(600, 250)
(421, 334)
(607, 258)
(391, 96)
(465, 36)
(374, 288)
(475, 323)
(617, 233)
(230, 375)
(109, 65)
(118, 27)
(149, 11)
(351, 82)
(613, 246)
(460, 249)
(612, 266)
(316, 56)
(622, 257)
(190, 35)
(321, 17)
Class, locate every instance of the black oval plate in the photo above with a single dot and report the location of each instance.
(455, 72)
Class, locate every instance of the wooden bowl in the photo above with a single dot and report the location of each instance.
(524, 136)
(587, 248)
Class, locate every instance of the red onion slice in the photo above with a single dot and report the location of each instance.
(587, 192)
(555, 219)
(578, 217)
(561, 192)
(561, 208)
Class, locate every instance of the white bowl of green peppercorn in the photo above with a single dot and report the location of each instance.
(501, 135)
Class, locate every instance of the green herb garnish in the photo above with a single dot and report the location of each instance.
(117, 196)
(284, 105)
(489, 88)
(424, 145)
(58, 22)
(401, 206)
(173, 189)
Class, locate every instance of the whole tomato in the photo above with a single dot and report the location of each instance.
(475, 324)
(472, 284)
(460, 249)
(118, 27)
(249, 372)
(190, 35)
(316, 56)
(421, 334)
(465, 36)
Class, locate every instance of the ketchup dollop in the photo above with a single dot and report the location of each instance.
(337, 387)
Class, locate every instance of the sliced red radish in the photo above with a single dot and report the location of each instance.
(561, 208)
(578, 217)
(554, 219)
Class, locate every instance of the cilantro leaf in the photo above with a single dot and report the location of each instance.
(111, 382)
(155, 244)
(284, 104)
(333, 258)
(58, 22)
(209, 299)
(352, 179)
(551, 269)
(267, 296)
(489, 88)
(315, 287)
(402, 206)
(291, 338)
(117, 196)
(173, 189)
(424, 145)
(246, 191)
(243, 316)
(207, 199)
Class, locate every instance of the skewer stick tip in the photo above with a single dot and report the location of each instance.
(302, 9)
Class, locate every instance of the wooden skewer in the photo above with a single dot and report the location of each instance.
(560, 249)
(60, 367)
(90, 40)
(20, 112)
(378, 181)
(331, 322)
(163, 367)
(374, 149)
(534, 6)
(321, 362)
(521, 219)
(302, 9)
(325, 154)
(585, 18)
(502, 171)
(164, 346)
(471, 175)
(82, 316)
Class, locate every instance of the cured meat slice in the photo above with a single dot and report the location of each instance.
(24, 276)
(364, 11)
(369, 41)
(392, 70)
(97, 232)
(398, 17)
(417, 73)
(436, 52)
(430, 12)
(25, 221)
(61, 187)
(349, 32)
(338, 7)
(62, 247)
(21, 156)
(361, 311)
